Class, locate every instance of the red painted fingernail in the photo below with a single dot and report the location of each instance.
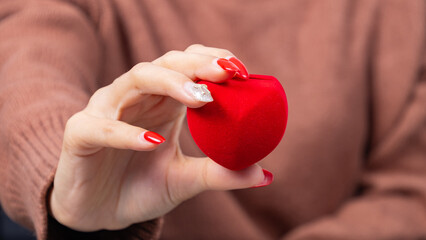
(228, 66)
(243, 73)
(153, 137)
(269, 177)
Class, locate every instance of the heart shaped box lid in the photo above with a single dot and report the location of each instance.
(244, 123)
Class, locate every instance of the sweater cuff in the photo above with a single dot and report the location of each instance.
(35, 142)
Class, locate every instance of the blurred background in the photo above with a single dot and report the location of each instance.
(11, 231)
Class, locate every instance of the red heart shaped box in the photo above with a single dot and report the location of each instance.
(243, 124)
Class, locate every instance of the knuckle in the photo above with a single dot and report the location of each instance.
(73, 122)
(167, 59)
(73, 133)
(171, 53)
(219, 52)
(194, 47)
(98, 94)
(224, 53)
(103, 102)
(99, 100)
(138, 69)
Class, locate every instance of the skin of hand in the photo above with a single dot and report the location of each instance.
(109, 176)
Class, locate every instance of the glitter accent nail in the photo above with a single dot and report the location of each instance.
(199, 91)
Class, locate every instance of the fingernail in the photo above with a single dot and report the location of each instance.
(153, 137)
(269, 177)
(243, 73)
(199, 92)
(228, 66)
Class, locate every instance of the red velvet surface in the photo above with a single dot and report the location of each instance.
(243, 124)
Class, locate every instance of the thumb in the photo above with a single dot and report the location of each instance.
(202, 174)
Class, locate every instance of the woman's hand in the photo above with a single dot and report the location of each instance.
(115, 170)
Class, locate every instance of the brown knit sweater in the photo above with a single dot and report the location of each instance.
(352, 164)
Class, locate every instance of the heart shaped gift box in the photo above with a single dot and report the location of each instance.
(243, 124)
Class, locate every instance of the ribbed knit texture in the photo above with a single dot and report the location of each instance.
(352, 164)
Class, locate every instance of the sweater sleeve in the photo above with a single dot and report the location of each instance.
(50, 59)
(392, 204)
